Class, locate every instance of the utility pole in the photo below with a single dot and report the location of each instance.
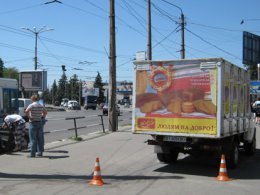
(36, 33)
(80, 88)
(35, 51)
(149, 45)
(182, 36)
(63, 67)
(112, 115)
(182, 28)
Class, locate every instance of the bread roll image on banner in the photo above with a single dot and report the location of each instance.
(142, 81)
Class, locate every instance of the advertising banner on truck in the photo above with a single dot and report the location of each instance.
(175, 98)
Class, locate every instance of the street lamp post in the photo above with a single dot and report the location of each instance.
(36, 33)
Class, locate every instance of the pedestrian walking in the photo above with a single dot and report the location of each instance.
(35, 112)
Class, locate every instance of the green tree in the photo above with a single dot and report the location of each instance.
(53, 92)
(12, 73)
(46, 96)
(99, 84)
(74, 87)
(62, 88)
(1, 68)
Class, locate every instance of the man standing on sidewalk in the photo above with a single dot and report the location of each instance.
(35, 112)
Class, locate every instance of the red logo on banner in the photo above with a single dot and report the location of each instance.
(146, 123)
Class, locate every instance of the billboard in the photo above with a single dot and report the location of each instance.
(33, 80)
(90, 91)
(251, 48)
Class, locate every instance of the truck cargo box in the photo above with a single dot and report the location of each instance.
(207, 98)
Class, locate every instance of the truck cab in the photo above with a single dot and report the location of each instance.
(90, 102)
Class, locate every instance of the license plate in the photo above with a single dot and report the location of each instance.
(174, 139)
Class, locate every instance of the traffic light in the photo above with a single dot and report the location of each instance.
(63, 67)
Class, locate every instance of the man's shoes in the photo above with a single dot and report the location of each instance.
(39, 154)
(30, 156)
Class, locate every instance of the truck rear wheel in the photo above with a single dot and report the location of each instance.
(168, 157)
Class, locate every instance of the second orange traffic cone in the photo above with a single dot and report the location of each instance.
(97, 180)
(223, 170)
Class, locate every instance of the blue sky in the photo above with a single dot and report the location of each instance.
(80, 39)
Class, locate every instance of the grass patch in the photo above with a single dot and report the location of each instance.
(76, 138)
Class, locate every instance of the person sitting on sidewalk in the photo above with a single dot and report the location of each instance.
(18, 123)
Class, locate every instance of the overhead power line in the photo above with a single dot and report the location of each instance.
(20, 9)
(224, 51)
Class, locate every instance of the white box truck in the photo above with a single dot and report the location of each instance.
(197, 106)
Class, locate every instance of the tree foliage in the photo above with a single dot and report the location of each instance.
(71, 88)
(99, 84)
(64, 88)
(1, 68)
(12, 72)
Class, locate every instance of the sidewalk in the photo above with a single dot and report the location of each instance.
(67, 167)
(128, 167)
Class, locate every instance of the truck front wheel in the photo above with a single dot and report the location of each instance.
(233, 154)
(250, 148)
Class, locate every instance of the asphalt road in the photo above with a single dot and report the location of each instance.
(58, 128)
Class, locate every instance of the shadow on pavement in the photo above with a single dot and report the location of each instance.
(83, 177)
(56, 151)
(54, 157)
(248, 168)
(42, 177)
(44, 154)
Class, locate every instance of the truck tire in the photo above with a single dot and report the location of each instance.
(233, 156)
(167, 157)
(250, 148)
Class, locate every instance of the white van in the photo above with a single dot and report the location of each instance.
(64, 102)
(23, 104)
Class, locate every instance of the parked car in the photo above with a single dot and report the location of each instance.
(105, 109)
(64, 102)
(73, 105)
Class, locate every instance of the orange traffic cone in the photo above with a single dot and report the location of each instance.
(97, 180)
(223, 170)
